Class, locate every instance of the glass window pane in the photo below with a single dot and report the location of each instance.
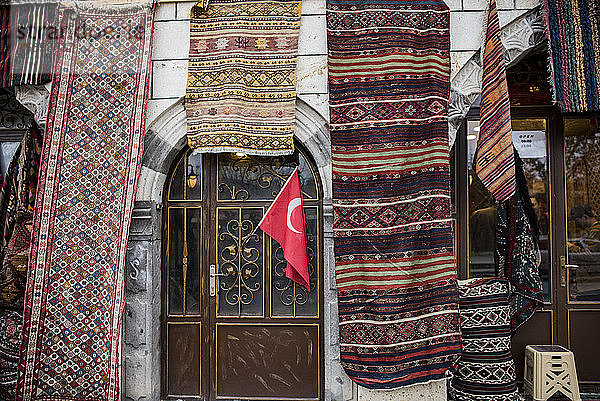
(240, 262)
(175, 261)
(529, 138)
(194, 177)
(176, 187)
(249, 178)
(582, 162)
(194, 262)
(287, 297)
(482, 215)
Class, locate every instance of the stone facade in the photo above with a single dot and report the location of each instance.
(522, 30)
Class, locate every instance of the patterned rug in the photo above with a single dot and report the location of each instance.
(28, 34)
(20, 188)
(573, 29)
(395, 268)
(494, 162)
(241, 89)
(10, 338)
(485, 370)
(518, 252)
(90, 163)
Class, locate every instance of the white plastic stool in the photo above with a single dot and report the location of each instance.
(548, 369)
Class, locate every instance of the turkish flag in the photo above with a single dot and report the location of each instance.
(284, 222)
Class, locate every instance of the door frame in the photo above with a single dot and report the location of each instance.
(208, 257)
(558, 305)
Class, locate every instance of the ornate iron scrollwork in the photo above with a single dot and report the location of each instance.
(241, 265)
(244, 178)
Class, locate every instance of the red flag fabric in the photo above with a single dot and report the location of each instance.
(284, 222)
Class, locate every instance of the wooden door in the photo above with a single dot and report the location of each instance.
(240, 329)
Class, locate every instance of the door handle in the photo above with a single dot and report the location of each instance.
(213, 279)
(563, 270)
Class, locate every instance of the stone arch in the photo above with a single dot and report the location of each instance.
(520, 37)
(141, 346)
(166, 137)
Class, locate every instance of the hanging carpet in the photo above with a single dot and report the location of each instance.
(241, 90)
(494, 162)
(486, 369)
(28, 35)
(90, 163)
(389, 73)
(517, 250)
(16, 211)
(573, 30)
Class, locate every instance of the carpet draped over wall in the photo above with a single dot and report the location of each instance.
(241, 90)
(90, 163)
(389, 72)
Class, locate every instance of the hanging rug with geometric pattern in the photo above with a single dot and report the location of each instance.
(90, 163)
(241, 89)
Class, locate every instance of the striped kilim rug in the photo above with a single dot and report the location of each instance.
(486, 369)
(396, 276)
(573, 29)
(241, 90)
(494, 161)
(90, 163)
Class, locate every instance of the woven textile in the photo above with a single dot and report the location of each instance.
(573, 29)
(494, 163)
(241, 89)
(90, 162)
(485, 370)
(10, 338)
(20, 190)
(518, 252)
(28, 34)
(395, 268)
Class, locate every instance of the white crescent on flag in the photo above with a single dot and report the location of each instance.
(294, 203)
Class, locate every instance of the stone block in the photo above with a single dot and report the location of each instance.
(454, 5)
(311, 75)
(319, 102)
(164, 12)
(135, 322)
(183, 10)
(313, 35)
(458, 59)
(171, 40)
(313, 7)
(169, 79)
(156, 107)
(482, 4)
(527, 4)
(419, 392)
(466, 30)
(506, 17)
(136, 386)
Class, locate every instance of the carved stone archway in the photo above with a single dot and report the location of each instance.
(519, 37)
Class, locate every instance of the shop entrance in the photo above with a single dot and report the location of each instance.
(234, 327)
(561, 160)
